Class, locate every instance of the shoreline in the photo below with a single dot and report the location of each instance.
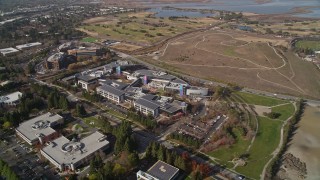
(291, 14)
(305, 144)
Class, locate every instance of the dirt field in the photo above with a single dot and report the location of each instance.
(233, 56)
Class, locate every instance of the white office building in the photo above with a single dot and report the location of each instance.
(68, 155)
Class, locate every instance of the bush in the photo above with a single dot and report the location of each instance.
(272, 115)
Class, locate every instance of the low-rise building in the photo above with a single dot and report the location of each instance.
(39, 130)
(28, 45)
(196, 91)
(10, 99)
(85, 81)
(159, 171)
(111, 93)
(60, 61)
(68, 155)
(8, 51)
(147, 105)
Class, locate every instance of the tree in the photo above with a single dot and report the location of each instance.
(7, 125)
(168, 157)
(93, 176)
(197, 175)
(149, 152)
(127, 146)
(92, 167)
(118, 169)
(161, 155)
(80, 110)
(133, 159)
(63, 103)
(108, 170)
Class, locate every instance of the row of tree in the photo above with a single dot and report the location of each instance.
(28, 103)
(125, 140)
(186, 139)
(110, 170)
(148, 121)
(289, 131)
(156, 151)
(91, 97)
(56, 100)
(127, 157)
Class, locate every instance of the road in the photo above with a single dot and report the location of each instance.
(204, 81)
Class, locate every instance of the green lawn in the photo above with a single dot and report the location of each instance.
(227, 154)
(89, 39)
(266, 141)
(260, 100)
(286, 111)
(93, 119)
(314, 45)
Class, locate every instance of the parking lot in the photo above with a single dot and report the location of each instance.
(23, 160)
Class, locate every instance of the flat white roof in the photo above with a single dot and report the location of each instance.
(40, 125)
(22, 46)
(65, 152)
(8, 51)
(9, 98)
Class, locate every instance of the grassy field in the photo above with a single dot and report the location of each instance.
(260, 100)
(314, 45)
(267, 140)
(92, 121)
(140, 28)
(226, 154)
(299, 28)
(286, 111)
(89, 39)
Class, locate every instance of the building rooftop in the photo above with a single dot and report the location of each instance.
(23, 46)
(115, 84)
(111, 90)
(8, 51)
(55, 57)
(38, 126)
(86, 78)
(163, 171)
(159, 75)
(148, 103)
(10, 97)
(64, 151)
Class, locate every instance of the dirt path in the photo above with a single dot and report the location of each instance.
(290, 79)
(277, 150)
(258, 66)
(277, 84)
(204, 39)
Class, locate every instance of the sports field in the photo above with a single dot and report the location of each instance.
(243, 58)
